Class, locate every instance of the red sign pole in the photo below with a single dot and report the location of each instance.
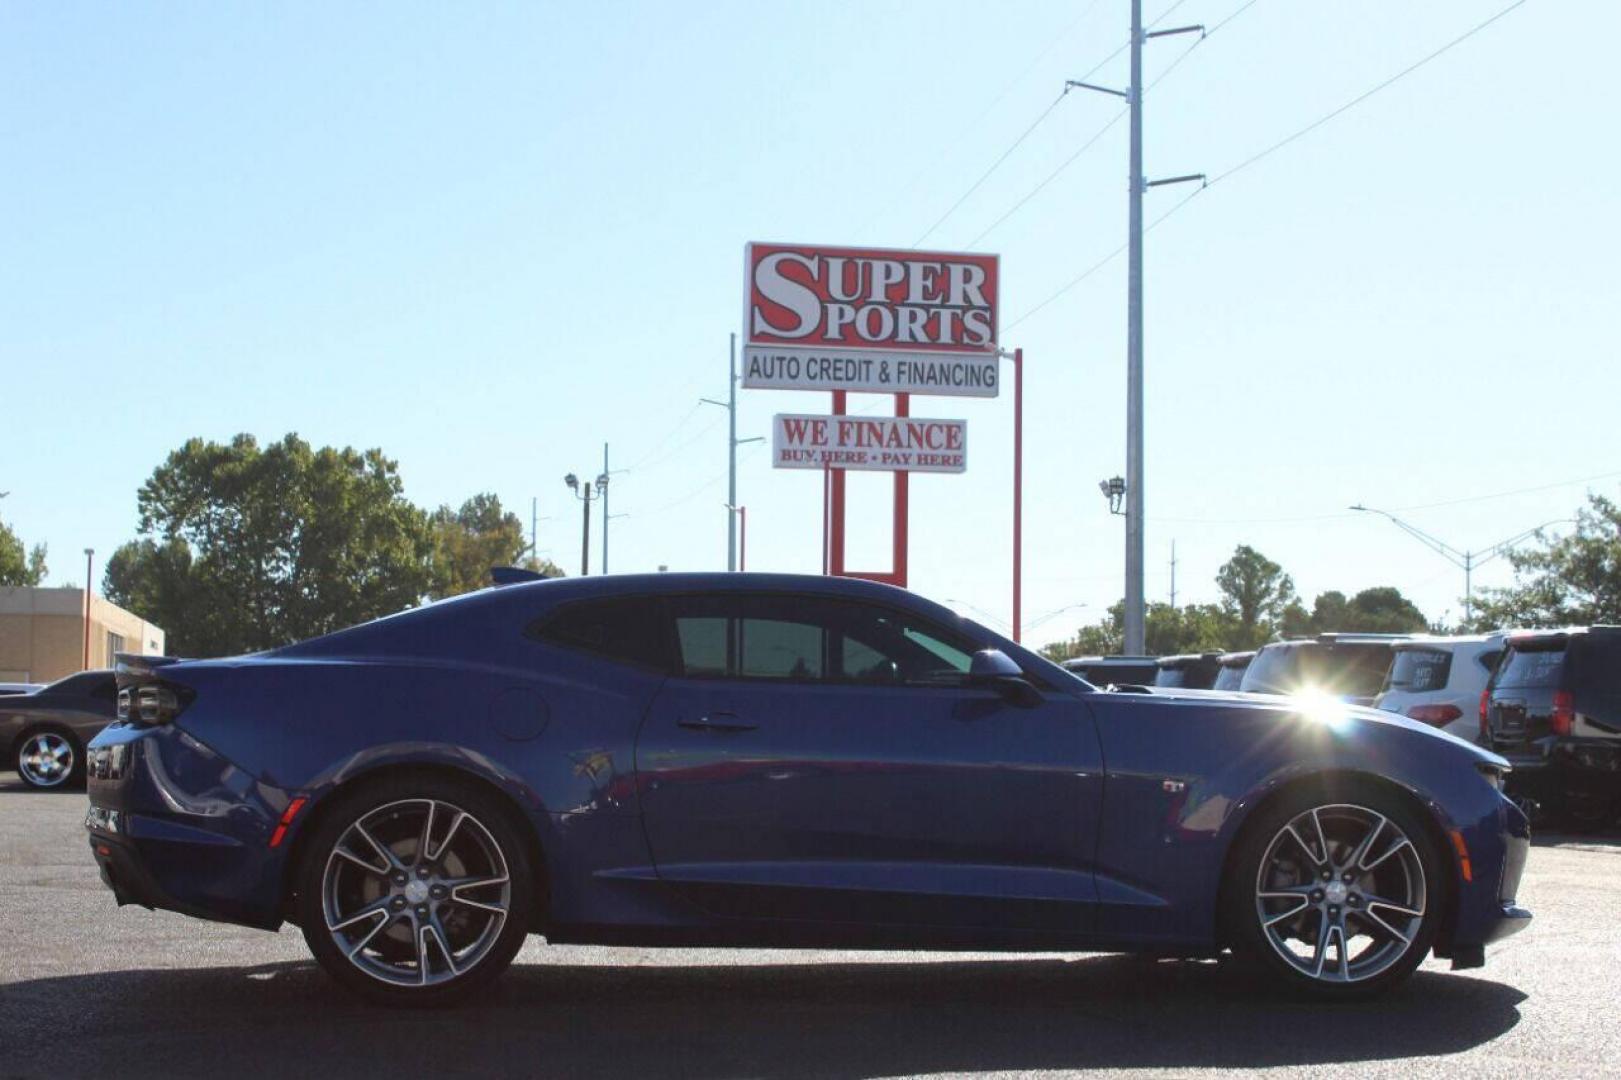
(1018, 492)
(903, 407)
(835, 553)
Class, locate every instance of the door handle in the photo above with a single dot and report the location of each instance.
(721, 721)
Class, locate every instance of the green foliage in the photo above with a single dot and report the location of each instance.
(246, 548)
(469, 541)
(1258, 605)
(1166, 632)
(1380, 610)
(17, 566)
(1255, 593)
(1568, 580)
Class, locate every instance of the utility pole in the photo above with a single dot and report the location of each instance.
(1137, 184)
(1173, 574)
(605, 510)
(89, 558)
(732, 443)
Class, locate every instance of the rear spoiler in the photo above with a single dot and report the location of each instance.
(132, 666)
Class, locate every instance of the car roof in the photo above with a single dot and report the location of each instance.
(1184, 659)
(1233, 659)
(1453, 641)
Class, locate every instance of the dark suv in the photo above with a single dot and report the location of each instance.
(1553, 707)
(1190, 671)
(1351, 667)
(1115, 670)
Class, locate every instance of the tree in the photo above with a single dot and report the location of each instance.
(244, 548)
(1573, 579)
(1166, 632)
(467, 542)
(19, 567)
(1380, 610)
(1255, 593)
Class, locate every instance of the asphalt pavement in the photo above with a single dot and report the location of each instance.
(89, 989)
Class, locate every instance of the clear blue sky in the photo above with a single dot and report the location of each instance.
(489, 238)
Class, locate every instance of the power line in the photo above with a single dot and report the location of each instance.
(1247, 162)
(1121, 115)
(1053, 42)
(1364, 96)
(986, 175)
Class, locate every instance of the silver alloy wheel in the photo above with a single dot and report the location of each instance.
(1340, 893)
(416, 892)
(46, 759)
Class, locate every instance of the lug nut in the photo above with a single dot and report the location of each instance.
(1355, 900)
(439, 892)
(422, 909)
(1317, 896)
(422, 871)
(1348, 877)
(1327, 874)
(399, 879)
(397, 903)
(1333, 911)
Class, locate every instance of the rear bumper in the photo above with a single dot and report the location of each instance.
(173, 825)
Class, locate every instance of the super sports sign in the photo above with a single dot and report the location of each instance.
(870, 320)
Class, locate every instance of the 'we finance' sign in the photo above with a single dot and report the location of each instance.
(881, 443)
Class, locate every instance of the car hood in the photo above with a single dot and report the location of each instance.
(1341, 712)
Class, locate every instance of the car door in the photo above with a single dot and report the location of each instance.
(818, 759)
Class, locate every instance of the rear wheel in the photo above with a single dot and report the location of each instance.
(415, 890)
(49, 758)
(1337, 895)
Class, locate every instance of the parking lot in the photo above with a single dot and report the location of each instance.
(89, 989)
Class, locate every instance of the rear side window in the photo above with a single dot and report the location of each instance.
(1528, 668)
(1230, 677)
(1489, 658)
(1172, 677)
(631, 630)
(1419, 671)
(804, 639)
(1359, 670)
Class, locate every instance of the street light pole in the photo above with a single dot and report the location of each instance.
(89, 556)
(1464, 560)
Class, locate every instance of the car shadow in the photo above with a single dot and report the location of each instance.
(792, 1020)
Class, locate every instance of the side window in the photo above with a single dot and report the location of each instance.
(630, 630)
(807, 639)
(1488, 659)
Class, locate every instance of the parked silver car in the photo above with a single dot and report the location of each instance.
(43, 734)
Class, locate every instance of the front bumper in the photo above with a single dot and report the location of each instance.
(174, 825)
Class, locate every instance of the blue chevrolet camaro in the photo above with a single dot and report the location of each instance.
(772, 760)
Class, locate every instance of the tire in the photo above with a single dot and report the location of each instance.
(1358, 931)
(448, 915)
(49, 759)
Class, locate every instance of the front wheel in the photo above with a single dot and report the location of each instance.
(1339, 896)
(415, 890)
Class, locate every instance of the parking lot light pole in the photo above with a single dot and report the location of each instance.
(1464, 560)
(583, 493)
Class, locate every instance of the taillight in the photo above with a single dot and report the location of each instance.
(1564, 712)
(1485, 705)
(1435, 715)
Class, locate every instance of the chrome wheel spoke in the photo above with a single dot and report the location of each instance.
(427, 834)
(1400, 843)
(389, 858)
(1312, 855)
(1361, 853)
(372, 911)
(455, 823)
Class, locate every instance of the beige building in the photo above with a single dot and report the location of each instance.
(42, 633)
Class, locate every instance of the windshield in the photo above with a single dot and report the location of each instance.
(1230, 677)
(1272, 671)
(1419, 671)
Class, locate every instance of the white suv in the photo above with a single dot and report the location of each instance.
(1439, 680)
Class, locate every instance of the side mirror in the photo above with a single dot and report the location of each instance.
(995, 669)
